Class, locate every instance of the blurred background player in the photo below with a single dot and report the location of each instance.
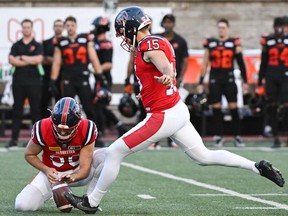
(24, 57)
(63, 136)
(220, 53)
(48, 50)
(104, 49)
(72, 55)
(285, 23)
(180, 47)
(274, 69)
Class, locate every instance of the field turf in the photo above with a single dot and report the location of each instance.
(166, 182)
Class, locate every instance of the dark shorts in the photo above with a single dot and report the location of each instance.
(277, 89)
(228, 89)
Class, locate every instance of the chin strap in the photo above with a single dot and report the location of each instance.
(134, 42)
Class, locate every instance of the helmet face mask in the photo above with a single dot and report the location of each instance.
(63, 131)
(127, 44)
(65, 117)
(127, 24)
(197, 103)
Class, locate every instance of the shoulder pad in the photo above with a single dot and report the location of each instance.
(263, 40)
(210, 42)
(237, 41)
(106, 44)
(90, 37)
(55, 41)
(152, 43)
(91, 132)
(206, 42)
(36, 135)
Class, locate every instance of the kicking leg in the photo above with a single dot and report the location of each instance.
(191, 142)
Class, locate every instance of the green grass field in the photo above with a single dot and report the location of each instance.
(175, 185)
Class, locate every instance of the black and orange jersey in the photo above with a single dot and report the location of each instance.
(276, 51)
(221, 56)
(75, 58)
(104, 49)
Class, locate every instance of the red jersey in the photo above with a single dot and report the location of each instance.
(62, 158)
(155, 96)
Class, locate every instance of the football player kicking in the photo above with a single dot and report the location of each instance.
(167, 115)
(67, 143)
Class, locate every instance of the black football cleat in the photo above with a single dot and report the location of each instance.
(81, 203)
(267, 170)
(73, 199)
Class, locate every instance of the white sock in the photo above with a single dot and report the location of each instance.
(94, 201)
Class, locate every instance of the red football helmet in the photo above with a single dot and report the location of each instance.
(65, 116)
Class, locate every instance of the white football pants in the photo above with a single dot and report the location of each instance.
(174, 123)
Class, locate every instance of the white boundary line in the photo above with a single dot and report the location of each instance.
(204, 185)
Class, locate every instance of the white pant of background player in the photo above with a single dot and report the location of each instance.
(39, 190)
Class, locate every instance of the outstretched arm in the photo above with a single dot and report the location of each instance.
(159, 59)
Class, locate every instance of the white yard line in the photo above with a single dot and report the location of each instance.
(146, 196)
(221, 195)
(258, 208)
(207, 186)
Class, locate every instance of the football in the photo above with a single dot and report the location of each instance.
(59, 188)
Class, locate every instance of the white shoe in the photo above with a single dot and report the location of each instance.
(219, 141)
(238, 142)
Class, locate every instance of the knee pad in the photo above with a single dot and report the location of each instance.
(271, 108)
(282, 111)
(98, 157)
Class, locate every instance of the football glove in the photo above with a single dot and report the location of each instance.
(128, 89)
(53, 88)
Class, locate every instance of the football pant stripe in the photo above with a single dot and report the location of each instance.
(140, 135)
